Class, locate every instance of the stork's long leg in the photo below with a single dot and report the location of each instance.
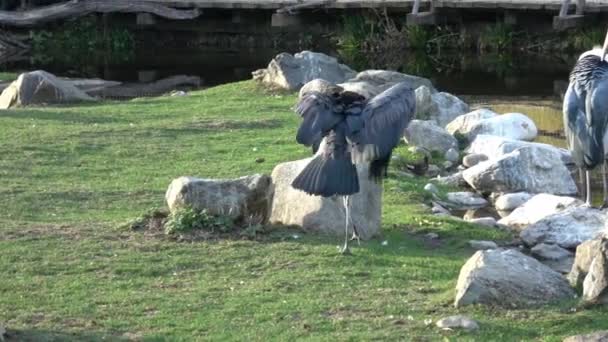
(345, 249)
(605, 179)
(588, 179)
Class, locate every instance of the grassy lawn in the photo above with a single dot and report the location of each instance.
(71, 175)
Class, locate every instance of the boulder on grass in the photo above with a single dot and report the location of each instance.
(242, 198)
(321, 214)
(445, 108)
(321, 86)
(291, 72)
(495, 147)
(509, 278)
(40, 87)
(463, 124)
(531, 169)
(428, 135)
(537, 208)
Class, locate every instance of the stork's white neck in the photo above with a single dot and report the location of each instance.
(596, 51)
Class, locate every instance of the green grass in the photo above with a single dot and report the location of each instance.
(8, 76)
(72, 175)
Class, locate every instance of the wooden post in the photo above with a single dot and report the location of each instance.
(580, 7)
(564, 10)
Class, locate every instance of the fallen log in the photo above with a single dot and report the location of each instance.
(79, 8)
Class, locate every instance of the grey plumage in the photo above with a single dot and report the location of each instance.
(356, 131)
(586, 111)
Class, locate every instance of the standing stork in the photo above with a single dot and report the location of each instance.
(355, 132)
(586, 114)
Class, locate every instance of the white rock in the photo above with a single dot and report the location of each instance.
(515, 126)
(370, 83)
(464, 123)
(326, 215)
(319, 85)
(512, 201)
(495, 147)
(291, 72)
(452, 154)
(239, 198)
(537, 208)
(432, 188)
(465, 200)
(457, 322)
(40, 87)
(509, 278)
(428, 135)
(585, 253)
(567, 228)
(531, 169)
(482, 245)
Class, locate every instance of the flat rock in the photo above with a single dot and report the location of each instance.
(509, 279)
(428, 135)
(484, 221)
(515, 126)
(463, 200)
(473, 159)
(495, 147)
(512, 201)
(537, 208)
(567, 229)
(321, 86)
(598, 336)
(463, 124)
(40, 87)
(291, 72)
(240, 198)
(370, 83)
(457, 322)
(481, 245)
(554, 256)
(324, 214)
(530, 169)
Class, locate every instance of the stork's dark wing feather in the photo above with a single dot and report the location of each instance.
(382, 123)
(317, 112)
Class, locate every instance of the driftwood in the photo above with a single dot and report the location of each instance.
(78, 8)
(131, 90)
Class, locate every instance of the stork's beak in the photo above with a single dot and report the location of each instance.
(605, 48)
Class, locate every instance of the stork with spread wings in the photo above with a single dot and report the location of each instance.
(344, 130)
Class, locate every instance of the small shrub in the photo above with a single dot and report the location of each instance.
(153, 219)
(187, 219)
(497, 38)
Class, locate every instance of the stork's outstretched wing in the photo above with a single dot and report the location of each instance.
(317, 112)
(380, 127)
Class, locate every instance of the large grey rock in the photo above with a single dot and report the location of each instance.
(463, 124)
(585, 253)
(445, 108)
(512, 201)
(509, 278)
(567, 228)
(554, 256)
(428, 135)
(241, 198)
(537, 208)
(531, 169)
(370, 83)
(291, 72)
(321, 86)
(325, 215)
(40, 87)
(598, 336)
(495, 147)
(511, 125)
(457, 322)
